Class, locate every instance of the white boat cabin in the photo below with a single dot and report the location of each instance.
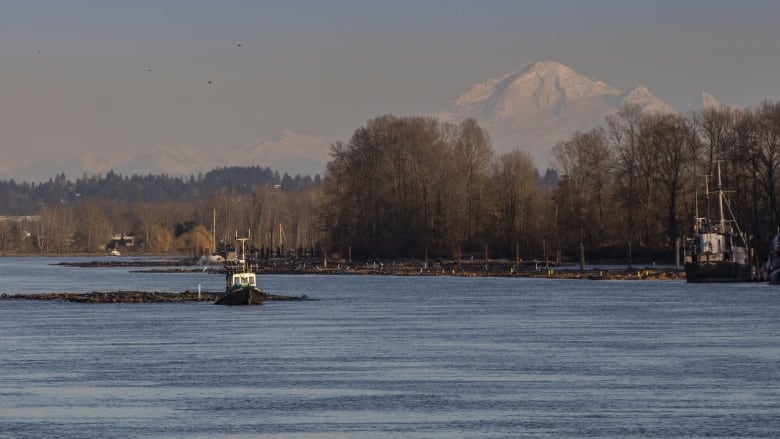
(241, 280)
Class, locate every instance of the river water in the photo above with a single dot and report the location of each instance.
(388, 357)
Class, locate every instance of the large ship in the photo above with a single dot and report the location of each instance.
(717, 251)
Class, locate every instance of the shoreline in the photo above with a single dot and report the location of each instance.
(496, 268)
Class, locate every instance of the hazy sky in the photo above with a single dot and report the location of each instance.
(100, 76)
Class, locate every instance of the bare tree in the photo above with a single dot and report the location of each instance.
(586, 163)
(768, 155)
(514, 184)
(93, 228)
(669, 136)
(473, 154)
(622, 133)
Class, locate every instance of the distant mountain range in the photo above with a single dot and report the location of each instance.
(292, 153)
(539, 104)
(530, 108)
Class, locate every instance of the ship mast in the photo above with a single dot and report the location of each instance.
(696, 209)
(707, 195)
(242, 260)
(720, 202)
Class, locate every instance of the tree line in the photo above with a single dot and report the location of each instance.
(415, 187)
(638, 180)
(164, 214)
(27, 198)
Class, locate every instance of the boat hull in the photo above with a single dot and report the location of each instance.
(718, 272)
(774, 277)
(242, 296)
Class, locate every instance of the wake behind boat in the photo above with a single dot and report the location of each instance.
(717, 251)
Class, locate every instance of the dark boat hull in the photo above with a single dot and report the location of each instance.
(774, 277)
(243, 296)
(718, 272)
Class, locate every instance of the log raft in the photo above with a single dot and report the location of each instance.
(136, 297)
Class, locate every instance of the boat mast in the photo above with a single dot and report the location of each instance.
(695, 209)
(720, 202)
(706, 221)
(242, 259)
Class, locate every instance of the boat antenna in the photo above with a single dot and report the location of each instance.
(214, 232)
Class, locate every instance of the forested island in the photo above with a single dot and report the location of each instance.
(416, 187)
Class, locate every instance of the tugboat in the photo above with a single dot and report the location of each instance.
(240, 281)
(717, 251)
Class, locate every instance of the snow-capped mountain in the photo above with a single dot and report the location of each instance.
(539, 104)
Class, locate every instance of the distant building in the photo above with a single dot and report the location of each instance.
(121, 240)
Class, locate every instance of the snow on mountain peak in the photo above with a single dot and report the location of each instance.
(708, 101)
(544, 85)
(539, 104)
(641, 96)
(703, 101)
(639, 91)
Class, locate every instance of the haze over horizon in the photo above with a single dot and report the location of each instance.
(92, 80)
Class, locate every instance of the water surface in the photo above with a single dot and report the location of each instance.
(386, 357)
